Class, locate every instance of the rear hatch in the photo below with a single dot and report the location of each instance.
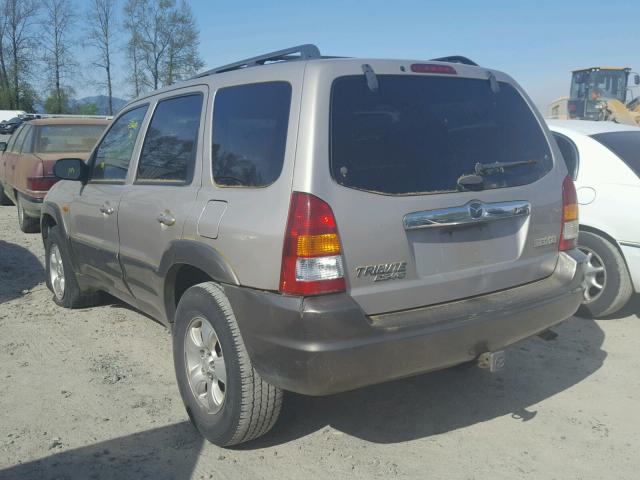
(414, 232)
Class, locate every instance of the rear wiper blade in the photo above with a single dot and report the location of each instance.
(484, 168)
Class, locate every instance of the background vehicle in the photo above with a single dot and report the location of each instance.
(9, 126)
(600, 93)
(9, 114)
(28, 158)
(604, 159)
(388, 219)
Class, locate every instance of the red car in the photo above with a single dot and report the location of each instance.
(27, 162)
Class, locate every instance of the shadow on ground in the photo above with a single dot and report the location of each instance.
(168, 452)
(440, 402)
(20, 270)
(394, 412)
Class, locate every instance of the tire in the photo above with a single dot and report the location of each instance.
(57, 262)
(248, 407)
(27, 224)
(4, 199)
(611, 273)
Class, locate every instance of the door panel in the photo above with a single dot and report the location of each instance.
(154, 209)
(95, 233)
(144, 238)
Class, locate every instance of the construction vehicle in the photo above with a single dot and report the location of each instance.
(600, 93)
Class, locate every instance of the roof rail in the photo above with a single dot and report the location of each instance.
(455, 59)
(301, 52)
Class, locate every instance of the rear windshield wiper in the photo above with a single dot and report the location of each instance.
(484, 168)
(475, 180)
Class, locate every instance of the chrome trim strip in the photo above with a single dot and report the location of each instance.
(472, 212)
(630, 244)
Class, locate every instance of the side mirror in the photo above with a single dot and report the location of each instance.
(70, 169)
(636, 79)
(3, 146)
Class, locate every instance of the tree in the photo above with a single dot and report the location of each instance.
(163, 42)
(57, 51)
(101, 35)
(183, 59)
(133, 12)
(57, 102)
(87, 109)
(21, 20)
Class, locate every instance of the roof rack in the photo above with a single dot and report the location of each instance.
(455, 59)
(301, 52)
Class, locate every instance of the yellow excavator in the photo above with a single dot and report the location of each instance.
(600, 93)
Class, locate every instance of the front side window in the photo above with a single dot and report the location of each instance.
(67, 138)
(418, 135)
(113, 155)
(250, 124)
(169, 149)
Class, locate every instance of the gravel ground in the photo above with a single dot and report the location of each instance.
(91, 394)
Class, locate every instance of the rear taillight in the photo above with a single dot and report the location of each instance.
(41, 184)
(312, 255)
(570, 225)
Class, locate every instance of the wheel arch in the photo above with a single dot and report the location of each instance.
(603, 234)
(187, 263)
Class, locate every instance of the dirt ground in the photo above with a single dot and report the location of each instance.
(91, 394)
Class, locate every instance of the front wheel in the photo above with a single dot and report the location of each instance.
(225, 397)
(61, 278)
(607, 282)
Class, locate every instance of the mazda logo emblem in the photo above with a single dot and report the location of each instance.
(476, 210)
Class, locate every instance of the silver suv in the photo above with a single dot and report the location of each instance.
(318, 224)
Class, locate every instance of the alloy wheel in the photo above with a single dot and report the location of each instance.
(56, 272)
(595, 275)
(205, 365)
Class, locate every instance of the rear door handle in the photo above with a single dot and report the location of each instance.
(165, 218)
(106, 209)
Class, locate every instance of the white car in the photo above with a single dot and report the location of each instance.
(604, 160)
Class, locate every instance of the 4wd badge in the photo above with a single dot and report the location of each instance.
(383, 271)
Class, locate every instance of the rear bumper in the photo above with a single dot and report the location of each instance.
(327, 344)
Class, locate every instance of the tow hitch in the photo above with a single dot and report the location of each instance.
(493, 361)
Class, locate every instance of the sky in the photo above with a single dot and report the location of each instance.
(536, 42)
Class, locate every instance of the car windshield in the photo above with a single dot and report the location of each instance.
(67, 138)
(421, 134)
(625, 145)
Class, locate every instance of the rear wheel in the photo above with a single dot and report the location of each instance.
(27, 224)
(224, 396)
(607, 283)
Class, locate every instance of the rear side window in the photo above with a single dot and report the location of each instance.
(625, 145)
(169, 149)
(569, 154)
(113, 155)
(250, 125)
(67, 138)
(421, 134)
(19, 135)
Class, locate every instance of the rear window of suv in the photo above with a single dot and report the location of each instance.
(418, 135)
(625, 145)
